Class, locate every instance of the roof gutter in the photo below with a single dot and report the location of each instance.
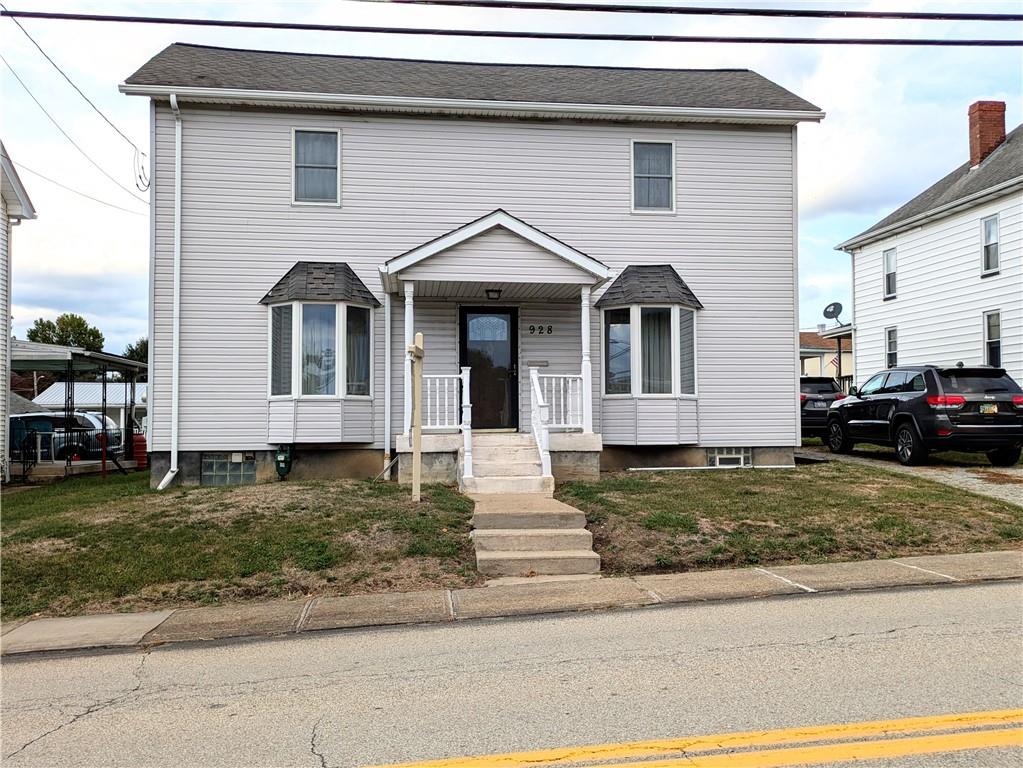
(935, 213)
(483, 107)
(176, 323)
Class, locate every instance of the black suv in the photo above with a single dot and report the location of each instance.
(924, 408)
(816, 394)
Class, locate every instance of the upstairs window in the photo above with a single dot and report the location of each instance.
(989, 238)
(653, 176)
(993, 339)
(316, 155)
(889, 273)
(891, 347)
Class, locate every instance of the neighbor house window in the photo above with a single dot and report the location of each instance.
(993, 339)
(653, 176)
(891, 348)
(617, 352)
(644, 356)
(889, 273)
(989, 233)
(357, 351)
(319, 349)
(316, 167)
(280, 350)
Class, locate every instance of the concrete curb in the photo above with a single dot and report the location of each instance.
(127, 630)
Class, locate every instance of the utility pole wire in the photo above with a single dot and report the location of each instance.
(684, 10)
(66, 135)
(75, 191)
(141, 177)
(580, 36)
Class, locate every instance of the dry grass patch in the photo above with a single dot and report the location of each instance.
(86, 545)
(679, 521)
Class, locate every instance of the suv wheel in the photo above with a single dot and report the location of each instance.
(838, 440)
(909, 448)
(1004, 457)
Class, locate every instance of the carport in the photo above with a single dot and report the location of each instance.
(71, 363)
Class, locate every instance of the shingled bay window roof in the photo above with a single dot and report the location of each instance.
(649, 284)
(320, 281)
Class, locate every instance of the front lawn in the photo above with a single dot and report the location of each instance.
(85, 545)
(649, 522)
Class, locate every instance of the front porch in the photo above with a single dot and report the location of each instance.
(507, 390)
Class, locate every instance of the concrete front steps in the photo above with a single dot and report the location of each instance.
(505, 462)
(531, 534)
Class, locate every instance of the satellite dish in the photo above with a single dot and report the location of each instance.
(833, 310)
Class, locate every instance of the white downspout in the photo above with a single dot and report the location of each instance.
(176, 322)
(387, 378)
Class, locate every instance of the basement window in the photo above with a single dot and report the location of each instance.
(730, 457)
(228, 469)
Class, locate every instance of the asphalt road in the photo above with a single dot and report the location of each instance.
(418, 693)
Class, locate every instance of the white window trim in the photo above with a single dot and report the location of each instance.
(998, 241)
(885, 273)
(340, 343)
(314, 203)
(987, 339)
(888, 351)
(635, 355)
(632, 179)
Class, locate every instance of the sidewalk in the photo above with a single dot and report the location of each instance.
(318, 613)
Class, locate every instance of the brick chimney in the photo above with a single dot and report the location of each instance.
(987, 129)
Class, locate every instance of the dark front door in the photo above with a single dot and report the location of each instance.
(489, 346)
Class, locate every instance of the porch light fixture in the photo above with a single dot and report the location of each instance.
(493, 294)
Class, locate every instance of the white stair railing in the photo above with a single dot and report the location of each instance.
(539, 412)
(466, 425)
(563, 393)
(440, 402)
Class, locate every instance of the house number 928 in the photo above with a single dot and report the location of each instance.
(541, 330)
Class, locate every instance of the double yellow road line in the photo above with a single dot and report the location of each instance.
(875, 740)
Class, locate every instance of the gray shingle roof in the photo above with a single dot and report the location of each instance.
(649, 284)
(200, 66)
(320, 281)
(1003, 164)
(19, 404)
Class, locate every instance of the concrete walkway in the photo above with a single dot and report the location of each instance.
(1001, 483)
(318, 613)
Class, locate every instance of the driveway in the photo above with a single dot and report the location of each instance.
(1003, 483)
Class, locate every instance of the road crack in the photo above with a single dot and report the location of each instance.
(313, 746)
(90, 710)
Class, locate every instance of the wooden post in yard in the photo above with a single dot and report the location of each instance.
(415, 353)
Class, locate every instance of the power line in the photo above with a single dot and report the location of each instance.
(541, 5)
(141, 177)
(66, 135)
(77, 192)
(579, 36)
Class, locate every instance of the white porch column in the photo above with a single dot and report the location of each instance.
(587, 367)
(409, 337)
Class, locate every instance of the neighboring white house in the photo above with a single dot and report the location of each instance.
(88, 396)
(940, 280)
(602, 254)
(15, 206)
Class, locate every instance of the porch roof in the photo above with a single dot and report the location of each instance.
(464, 269)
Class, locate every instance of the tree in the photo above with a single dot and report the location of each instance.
(68, 330)
(139, 351)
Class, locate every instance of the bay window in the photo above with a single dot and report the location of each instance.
(650, 350)
(320, 349)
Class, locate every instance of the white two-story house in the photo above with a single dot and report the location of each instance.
(940, 280)
(596, 257)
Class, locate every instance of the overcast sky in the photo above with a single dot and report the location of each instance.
(896, 119)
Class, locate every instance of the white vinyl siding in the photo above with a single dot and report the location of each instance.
(407, 181)
(942, 293)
